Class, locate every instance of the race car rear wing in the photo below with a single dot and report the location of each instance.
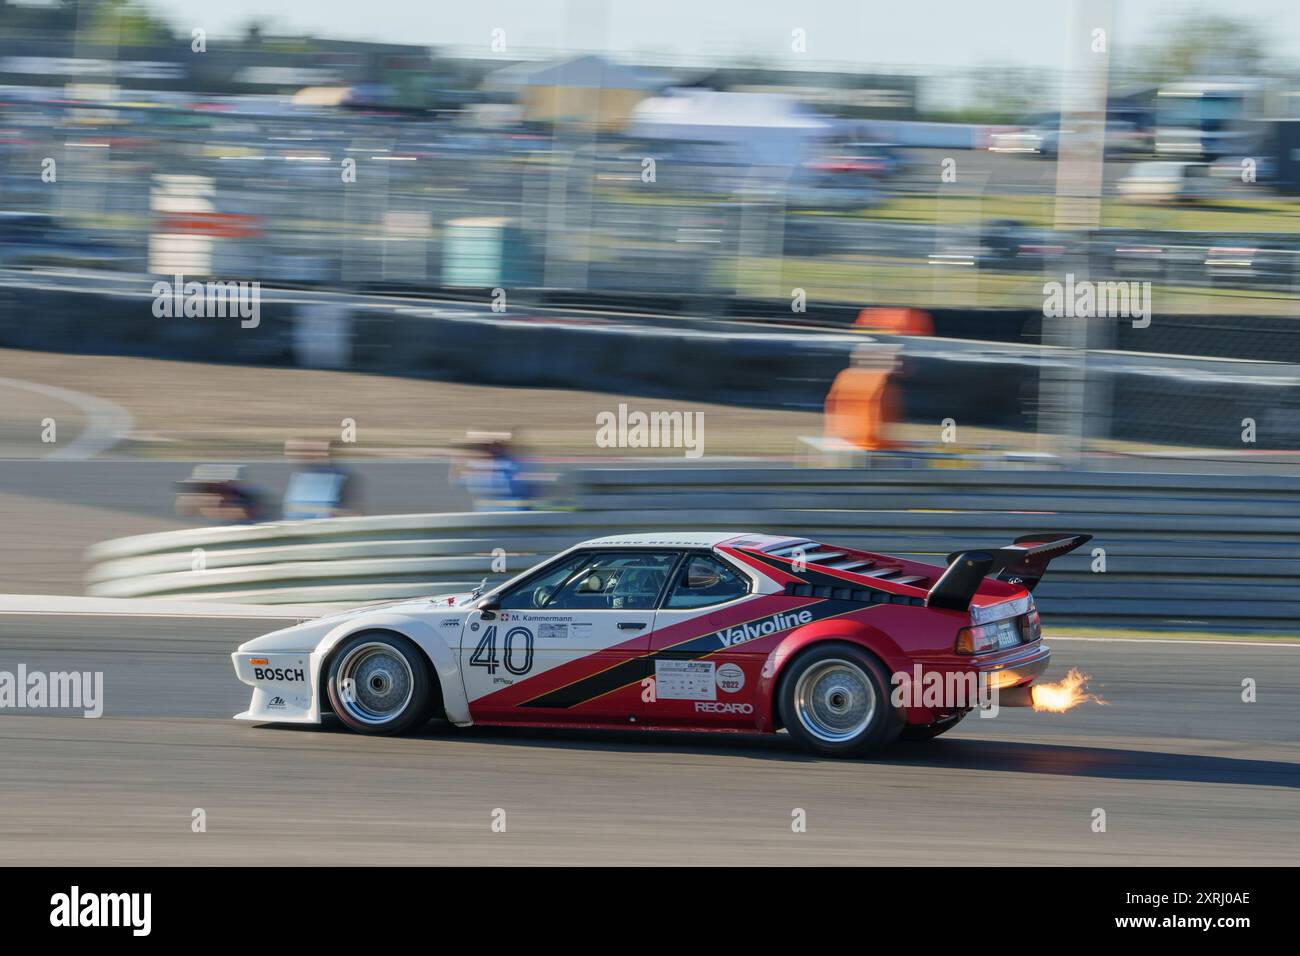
(1023, 562)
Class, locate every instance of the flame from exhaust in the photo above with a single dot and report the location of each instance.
(1063, 695)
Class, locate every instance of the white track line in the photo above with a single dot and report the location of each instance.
(107, 423)
(1169, 640)
(74, 606)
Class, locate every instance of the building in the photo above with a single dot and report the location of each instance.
(585, 90)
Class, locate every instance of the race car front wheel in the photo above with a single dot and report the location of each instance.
(379, 683)
(834, 700)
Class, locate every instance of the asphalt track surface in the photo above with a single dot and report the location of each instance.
(1186, 772)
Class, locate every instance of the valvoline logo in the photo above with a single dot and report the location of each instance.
(752, 630)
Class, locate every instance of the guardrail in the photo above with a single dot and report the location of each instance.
(1140, 397)
(1190, 551)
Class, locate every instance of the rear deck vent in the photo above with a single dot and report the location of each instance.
(858, 595)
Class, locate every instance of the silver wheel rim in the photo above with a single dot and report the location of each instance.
(834, 700)
(374, 683)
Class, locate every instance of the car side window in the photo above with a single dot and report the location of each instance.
(616, 580)
(537, 590)
(705, 580)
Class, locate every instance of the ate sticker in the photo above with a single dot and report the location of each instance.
(685, 680)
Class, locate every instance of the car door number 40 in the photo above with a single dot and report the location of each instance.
(517, 642)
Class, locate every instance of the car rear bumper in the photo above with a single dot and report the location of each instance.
(1014, 668)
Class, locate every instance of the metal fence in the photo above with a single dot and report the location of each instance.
(1197, 552)
(706, 223)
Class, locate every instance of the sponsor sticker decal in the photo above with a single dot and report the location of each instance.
(731, 678)
(731, 636)
(290, 674)
(716, 707)
(685, 680)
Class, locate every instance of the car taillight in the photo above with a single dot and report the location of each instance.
(1031, 627)
(982, 638)
(977, 640)
(1018, 624)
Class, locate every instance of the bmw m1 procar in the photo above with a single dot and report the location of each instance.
(732, 632)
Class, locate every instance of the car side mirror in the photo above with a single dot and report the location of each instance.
(488, 609)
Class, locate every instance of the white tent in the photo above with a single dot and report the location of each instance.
(767, 128)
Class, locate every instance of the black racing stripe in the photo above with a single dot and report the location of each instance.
(638, 669)
(597, 685)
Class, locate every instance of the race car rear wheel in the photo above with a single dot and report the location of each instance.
(379, 683)
(834, 700)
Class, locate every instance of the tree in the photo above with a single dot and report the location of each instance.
(1005, 93)
(1203, 44)
(253, 31)
(123, 23)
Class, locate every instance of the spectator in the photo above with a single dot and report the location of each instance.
(318, 488)
(218, 495)
(493, 474)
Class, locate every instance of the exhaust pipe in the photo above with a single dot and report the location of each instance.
(1059, 697)
(1022, 696)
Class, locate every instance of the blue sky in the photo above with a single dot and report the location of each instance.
(944, 34)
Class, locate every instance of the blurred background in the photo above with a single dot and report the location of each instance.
(838, 235)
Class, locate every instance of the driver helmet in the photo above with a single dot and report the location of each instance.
(701, 574)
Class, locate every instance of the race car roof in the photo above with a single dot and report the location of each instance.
(692, 539)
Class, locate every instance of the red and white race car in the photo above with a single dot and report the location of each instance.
(690, 631)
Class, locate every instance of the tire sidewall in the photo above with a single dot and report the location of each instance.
(885, 726)
(417, 709)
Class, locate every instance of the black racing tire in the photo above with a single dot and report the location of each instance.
(391, 690)
(834, 699)
(930, 731)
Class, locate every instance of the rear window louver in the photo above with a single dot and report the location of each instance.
(908, 579)
(813, 554)
(856, 565)
(788, 550)
(888, 574)
(822, 557)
